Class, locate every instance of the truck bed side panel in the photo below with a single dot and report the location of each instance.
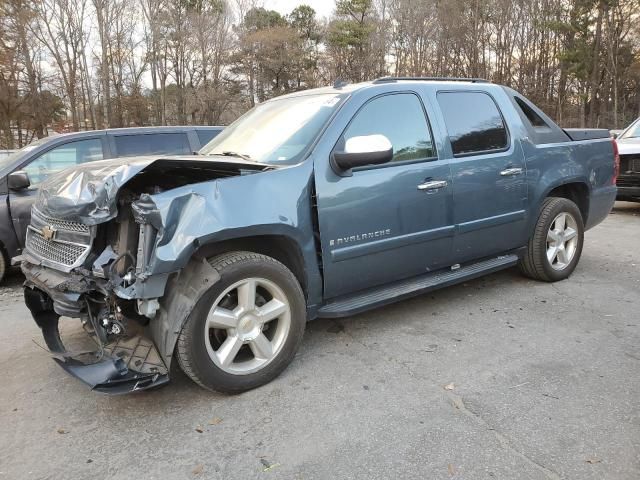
(588, 162)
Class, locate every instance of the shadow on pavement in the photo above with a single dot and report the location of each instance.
(626, 208)
(13, 280)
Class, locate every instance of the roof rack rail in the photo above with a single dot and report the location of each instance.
(431, 79)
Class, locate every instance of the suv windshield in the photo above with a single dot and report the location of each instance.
(633, 131)
(276, 132)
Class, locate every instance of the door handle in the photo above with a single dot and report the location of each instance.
(433, 185)
(509, 172)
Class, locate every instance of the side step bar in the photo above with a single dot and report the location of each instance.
(359, 302)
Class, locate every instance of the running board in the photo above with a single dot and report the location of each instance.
(359, 302)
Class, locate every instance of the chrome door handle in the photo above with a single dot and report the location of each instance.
(509, 172)
(433, 185)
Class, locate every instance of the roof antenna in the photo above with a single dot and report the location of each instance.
(339, 83)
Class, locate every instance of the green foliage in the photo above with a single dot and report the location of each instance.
(205, 6)
(354, 8)
(303, 20)
(261, 19)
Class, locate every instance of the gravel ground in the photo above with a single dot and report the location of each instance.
(501, 377)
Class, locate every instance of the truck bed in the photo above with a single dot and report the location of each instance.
(578, 134)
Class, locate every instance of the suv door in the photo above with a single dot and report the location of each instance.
(40, 167)
(381, 224)
(489, 176)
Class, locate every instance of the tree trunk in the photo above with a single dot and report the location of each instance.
(595, 69)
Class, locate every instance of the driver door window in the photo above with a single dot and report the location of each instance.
(64, 156)
(378, 225)
(399, 117)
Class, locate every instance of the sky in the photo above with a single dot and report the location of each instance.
(323, 8)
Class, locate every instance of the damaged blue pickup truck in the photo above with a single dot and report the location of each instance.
(322, 203)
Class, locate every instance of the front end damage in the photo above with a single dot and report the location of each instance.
(125, 358)
(92, 253)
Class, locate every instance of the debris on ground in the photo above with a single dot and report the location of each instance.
(449, 386)
(62, 431)
(199, 429)
(215, 421)
(550, 396)
(268, 466)
(198, 469)
(519, 385)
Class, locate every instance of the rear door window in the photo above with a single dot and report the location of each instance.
(152, 144)
(473, 122)
(63, 156)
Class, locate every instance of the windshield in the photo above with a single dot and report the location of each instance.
(276, 132)
(633, 131)
(8, 160)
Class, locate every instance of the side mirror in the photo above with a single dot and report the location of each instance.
(19, 180)
(615, 135)
(364, 150)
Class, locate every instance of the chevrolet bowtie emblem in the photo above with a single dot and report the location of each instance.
(48, 233)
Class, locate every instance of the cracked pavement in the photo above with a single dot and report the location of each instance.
(498, 378)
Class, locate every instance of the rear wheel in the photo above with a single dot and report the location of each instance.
(556, 245)
(246, 328)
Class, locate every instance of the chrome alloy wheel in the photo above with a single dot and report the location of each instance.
(562, 241)
(247, 326)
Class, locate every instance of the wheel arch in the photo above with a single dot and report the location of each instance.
(281, 247)
(577, 192)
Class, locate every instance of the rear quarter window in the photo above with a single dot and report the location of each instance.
(533, 118)
(474, 123)
(152, 144)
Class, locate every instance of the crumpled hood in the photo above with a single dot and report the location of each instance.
(88, 193)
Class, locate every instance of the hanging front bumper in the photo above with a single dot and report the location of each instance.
(121, 366)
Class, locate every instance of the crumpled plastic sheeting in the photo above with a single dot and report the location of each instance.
(87, 193)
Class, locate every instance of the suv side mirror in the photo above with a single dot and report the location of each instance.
(364, 150)
(19, 180)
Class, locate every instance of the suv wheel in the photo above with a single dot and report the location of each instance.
(3, 265)
(246, 328)
(556, 245)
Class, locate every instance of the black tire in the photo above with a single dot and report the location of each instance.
(3, 265)
(191, 350)
(534, 264)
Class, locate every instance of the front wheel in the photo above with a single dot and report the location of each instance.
(246, 328)
(555, 247)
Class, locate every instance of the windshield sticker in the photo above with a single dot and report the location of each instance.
(332, 101)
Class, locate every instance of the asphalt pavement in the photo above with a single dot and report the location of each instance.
(498, 378)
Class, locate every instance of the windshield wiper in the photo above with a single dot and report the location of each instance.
(233, 154)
